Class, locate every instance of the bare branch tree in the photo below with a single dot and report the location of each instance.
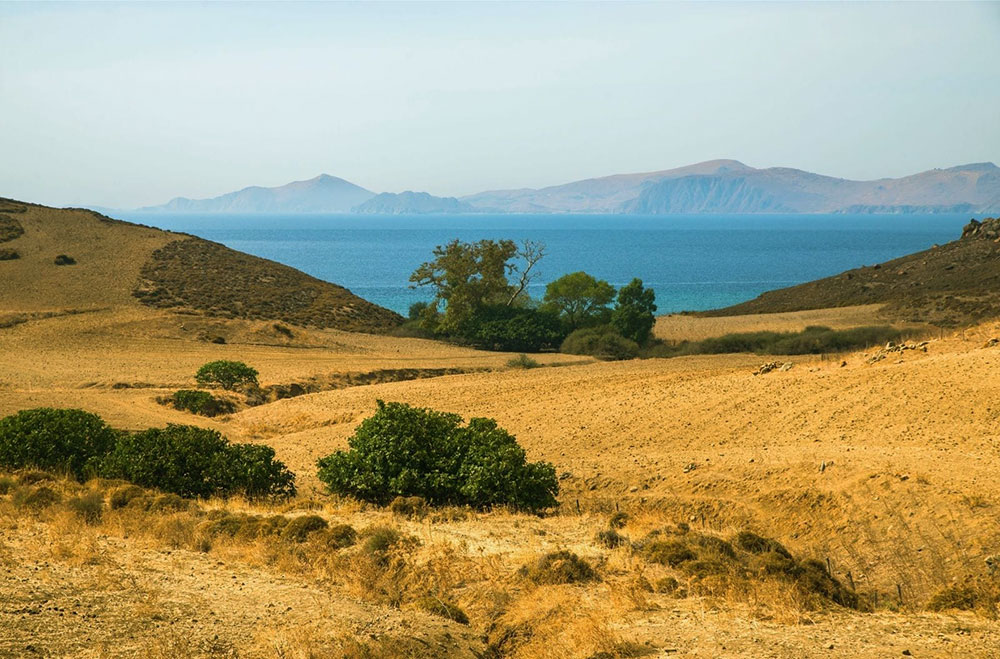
(531, 252)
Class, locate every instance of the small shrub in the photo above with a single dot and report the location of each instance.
(226, 374)
(602, 342)
(667, 585)
(755, 544)
(403, 451)
(281, 329)
(959, 598)
(409, 507)
(34, 476)
(54, 439)
(63, 259)
(201, 402)
(6, 484)
(379, 540)
(443, 609)
(338, 536)
(123, 495)
(197, 462)
(610, 539)
(560, 567)
(298, 529)
(668, 552)
(35, 498)
(8, 254)
(618, 520)
(89, 507)
(522, 361)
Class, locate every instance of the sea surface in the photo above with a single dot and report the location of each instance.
(693, 262)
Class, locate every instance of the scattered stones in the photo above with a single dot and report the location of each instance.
(691, 466)
(988, 229)
(773, 366)
(892, 347)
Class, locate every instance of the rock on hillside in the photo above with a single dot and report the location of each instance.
(948, 285)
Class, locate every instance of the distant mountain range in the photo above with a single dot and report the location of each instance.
(715, 186)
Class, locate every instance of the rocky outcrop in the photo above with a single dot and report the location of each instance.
(988, 229)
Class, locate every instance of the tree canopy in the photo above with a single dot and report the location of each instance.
(467, 277)
(579, 298)
(633, 314)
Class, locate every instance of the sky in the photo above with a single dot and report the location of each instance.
(124, 105)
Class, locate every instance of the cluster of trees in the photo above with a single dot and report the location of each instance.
(481, 297)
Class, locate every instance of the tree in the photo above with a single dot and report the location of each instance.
(408, 451)
(226, 374)
(633, 314)
(579, 297)
(469, 276)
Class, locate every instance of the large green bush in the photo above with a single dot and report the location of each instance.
(512, 329)
(197, 462)
(407, 451)
(601, 342)
(226, 374)
(55, 440)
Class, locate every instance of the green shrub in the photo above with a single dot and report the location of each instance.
(226, 374)
(403, 451)
(443, 609)
(602, 342)
(54, 439)
(512, 329)
(560, 567)
(63, 259)
(6, 484)
(298, 529)
(197, 462)
(755, 544)
(522, 361)
(89, 507)
(8, 254)
(201, 402)
(813, 340)
(381, 539)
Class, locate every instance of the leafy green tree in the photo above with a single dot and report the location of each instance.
(54, 439)
(226, 374)
(469, 276)
(579, 297)
(633, 314)
(407, 451)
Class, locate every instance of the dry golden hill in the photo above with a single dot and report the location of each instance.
(948, 285)
(117, 264)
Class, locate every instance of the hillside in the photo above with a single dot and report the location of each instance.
(119, 265)
(322, 194)
(408, 202)
(948, 285)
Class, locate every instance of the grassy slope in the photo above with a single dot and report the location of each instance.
(950, 285)
(114, 259)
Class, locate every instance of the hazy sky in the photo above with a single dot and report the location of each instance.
(131, 104)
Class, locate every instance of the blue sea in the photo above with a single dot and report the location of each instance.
(693, 262)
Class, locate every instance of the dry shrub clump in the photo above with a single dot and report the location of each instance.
(747, 568)
(978, 594)
(560, 567)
